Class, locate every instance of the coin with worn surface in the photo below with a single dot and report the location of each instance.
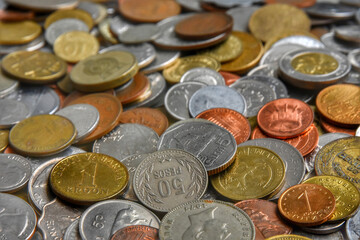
(139, 34)
(136, 232)
(204, 75)
(348, 33)
(72, 231)
(229, 78)
(331, 10)
(339, 45)
(62, 26)
(331, 128)
(12, 112)
(139, 86)
(18, 219)
(354, 59)
(69, 13)
(209, 219)
(275, 84)
(241, 16)
(21, 32)
(103, 219)
(269, 70)
(4, 139)
(44, 5)
(288, 237)
(352, 227)
(163, 59)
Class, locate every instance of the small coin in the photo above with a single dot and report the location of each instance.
(348, 33)
(62, 26)
(354, 59)
(163, 59)
(21, 32)
(331, 10)
(41, 5)
(36, 44)
(72, 232)
(4, 139)
(138, 232)
(325, 228)
(352, 225)
(204, 75)
(139, 34)
(12, 112)
(69, 13)
(339, 45)
(229, 78)
(135, 91)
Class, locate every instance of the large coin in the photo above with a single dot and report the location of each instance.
(44, 5)
(12, 112)
(62, 26)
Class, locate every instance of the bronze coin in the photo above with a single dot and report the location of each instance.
(331, 128)
(296, 3)
(15, 16)
(75, 95)
(136, 232)
(230, 78)
(135, 90)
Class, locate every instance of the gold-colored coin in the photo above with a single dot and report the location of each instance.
(287, 33)
(104, 71)
(226, 51)
(173, 73)
(256, 173)
(34, 67)
(4, 139)
(104, 29)
(12, 33)
(102, 14)
(72, 13)
(42, 135)
(86, 178)
(250, 56)
(340, 158)
(75, 46)
(268, 21)
(314, 63)
(288, 237)
(346, 194)
(65, 84)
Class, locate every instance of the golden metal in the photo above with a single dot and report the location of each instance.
(42, 135)
(287, 33)
(104, 28)
(102, 14)
(314, 63)
(65, 84)
(86, 178)
(12, 33)
(72, 13)
(4, 139)
(288, 237)
(256, 173)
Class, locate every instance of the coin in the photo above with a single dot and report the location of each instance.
(139, 232)
(36, 44)
(163, 59)
(241, 16)
(339, 45)
(41, 5)
(12, 112)
(352, 225)
(348, 33)
(72, 231)
(229, 78)
(135, 91)
(296, 3)
(7, 85)
(192, 5)
(69, 13)
(139, 34)
(104, 29)
(274, 54)
(336, 235)
(288, 237)
(20, 32)
(62, 26)
(325, 228)
(331, 10)
(354, 59)
(4, 139)
(204, 75)
(328, 127)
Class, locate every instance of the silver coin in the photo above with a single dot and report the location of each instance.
(325, 228)
(7, 84)
(275, 84)
(274, 54)
(127, 139)
(301, 94)
(229, 3)
(177, 99)
(62, 26)
(37, 236)
(131, 164)
(56, 218)
(329, 137)
(293, 160)
(15, 172)
(300, 40)
(139, 34)
(354, 59)
(357, 132)
(144, 53)
(39, 100)
(91, 8)
(331, 10)
(204, 75)
(310, 159)
(44, 5)
(103, 219)
(353, 227)
(191, 5)
(241, 16)
(163, 58)
(12, 112)
(355, 3)
(313, 81)
(336, 235)
(309, 175)
(335, 44)
(212, 194)
(168, 178)
(119, 25)
(256, 95)
(35, 44)
(353, 77)
(270, 70)
(17, 218)
(348, 33)
(85, 118)
(207, 220)
(72, 232)
(216, 97)
(212, 144)
(357, 16)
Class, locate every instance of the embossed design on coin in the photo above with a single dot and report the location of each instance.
(314, 63)
(136, 232)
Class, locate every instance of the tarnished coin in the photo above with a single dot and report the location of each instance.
(331, 10)
(339, 45)
(204, 75)
(12, 112)
(36, 44)
(139, 34)
(354, 59)
(4, 139)
(139, 232)
(275, 84)
(163, 59)
(17, 218)
(103, 219)
(168, 178)
(72, 232)
(19, 32)
(44, 5)
(352, 227)
(62, 26)
(208, 219)
(348, 33)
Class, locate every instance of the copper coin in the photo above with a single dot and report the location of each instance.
(266, 218)
(203, 26)
(296, 3)
(285, 118)
(319, 31)
(331, 128)
(135, 90)
(109, 108)
(212, 7)
(230, 78)
(136, 232)
(231, 120)
(15, 16)
(149, 10)
(149, 117)
(307, 204)
(75, 95)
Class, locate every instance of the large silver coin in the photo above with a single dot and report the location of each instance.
(274, 54)
(168, 178)
(241, 16)
(72, 232)
(85, 118)
(336, 235)
(331, 10)
(256, 95)
(12, 112)
(336, 44)
(44, 5)
(204, 75)
(275, 84)
(293, 160)
(15, 172)
(126, 140)
(205, 219)
(163, 59)
(7, 84)
(354, 59)
(103, 219)
(17, 218)
(139, 34)
(35, 44)
(353, 227)
(216, 97)
(270, 70)
(62, 26)
(300, 40)
(348, 33)
(210, 143)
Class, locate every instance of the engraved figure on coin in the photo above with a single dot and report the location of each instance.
(88, 177)
(103, 67)
(285, 118)
(13, 222)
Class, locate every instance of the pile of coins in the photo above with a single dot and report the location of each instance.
(179, 119)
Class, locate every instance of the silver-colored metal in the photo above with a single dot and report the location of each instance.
(332, 236)
(72, 232)
(103, 219)
(168, 178)
(85, 118)
(44, 5)
(212, 144)
(305, 41)
(353, 227)
(192, 5)
(208, 220)
(15, 172)
(274, 54)
(12, 112)
(230, 3)
(325, 228)
(91, 8)
(354, 59)
(256, 95)
(177, 99)
(355, 3)
(35, 44)
(310, 159)
(313, 81)
(119, 25)
(270, 70)
(39, 100)
(357, 132)
(331, 10)
(56, 218)
(144, 53)
(216, 97)
(348, 33)
(139, 34)
(329, 137)
(301, 94)
(163, 59)
(212, 194)
(293, 160)
(126, 140)
(336, 44)
(17, 218)
(7, 84)
(204, 75)
(357, 16)
(241, 16)
(62, 26)
(353, 77)
(37, 236)
(275, 84)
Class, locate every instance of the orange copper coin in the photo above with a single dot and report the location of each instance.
(136, 232)
(285, 118)
(328, 127)
(75, 95)
(203, 26)
(149, 10)
(307, 204)
(266, 218)
(229, 78)
(229, 119)
(135, 90)
(109, 108)
(296, 3)
(149, 117)
(15, 16)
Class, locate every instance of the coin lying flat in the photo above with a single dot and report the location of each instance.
(72, 231)
(12, 112)
(139, 34)
(354, 59)
(205, 75)
(34, 45)
(348, 33)
(163, 59)
(62, 26)
(4, 139)
(144, 232)
(331, 10)
(44, 5)
(336, 44)
(13, 33)
(69, 13)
